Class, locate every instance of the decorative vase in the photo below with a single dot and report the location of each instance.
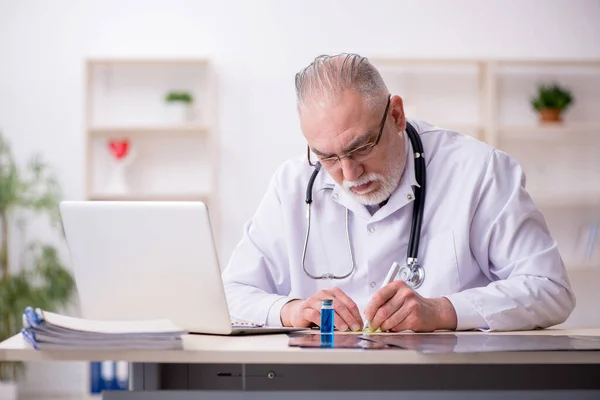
(177, 113)
(550, 115)
(123, 156)
(8, 390)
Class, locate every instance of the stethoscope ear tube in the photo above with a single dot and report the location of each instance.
(420, 173)
(311, 182)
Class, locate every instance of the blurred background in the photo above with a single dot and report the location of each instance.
(194, 100)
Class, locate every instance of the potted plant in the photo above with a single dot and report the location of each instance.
(178, 106)
(551, 101)
(40, 280)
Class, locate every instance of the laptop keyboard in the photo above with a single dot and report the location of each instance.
(240, 324)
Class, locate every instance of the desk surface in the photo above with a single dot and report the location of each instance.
(273, 349)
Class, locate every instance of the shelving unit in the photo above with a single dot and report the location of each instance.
(173, 157)
(489, 99)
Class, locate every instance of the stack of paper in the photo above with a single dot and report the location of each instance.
(46, 330)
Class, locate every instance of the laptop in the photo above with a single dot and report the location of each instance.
(136, 260)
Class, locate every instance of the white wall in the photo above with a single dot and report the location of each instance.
(257, 46)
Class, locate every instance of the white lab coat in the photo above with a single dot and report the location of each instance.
(484, 243)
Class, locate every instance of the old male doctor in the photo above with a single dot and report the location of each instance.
(489, 260)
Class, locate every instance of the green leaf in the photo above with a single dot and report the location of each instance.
(552, 96)
(184, 97)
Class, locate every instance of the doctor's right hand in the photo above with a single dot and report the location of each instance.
(305, 313)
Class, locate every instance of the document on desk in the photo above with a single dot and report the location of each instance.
(46, 330)
(482, 342)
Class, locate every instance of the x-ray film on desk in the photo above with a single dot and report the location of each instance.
(478, 343)
(333, 341)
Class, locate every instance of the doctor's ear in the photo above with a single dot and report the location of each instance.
(397, 111)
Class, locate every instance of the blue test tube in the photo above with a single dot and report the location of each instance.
(327, 340)
(327, 316)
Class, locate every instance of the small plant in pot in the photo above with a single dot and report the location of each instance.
(551, 101)
(178, 106)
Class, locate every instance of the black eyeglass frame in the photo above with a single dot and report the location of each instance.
(368, 146)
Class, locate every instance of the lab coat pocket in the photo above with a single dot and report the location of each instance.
(439, 260)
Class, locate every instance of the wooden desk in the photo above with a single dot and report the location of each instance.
(266, 363)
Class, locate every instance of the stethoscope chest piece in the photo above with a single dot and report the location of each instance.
(412, 274)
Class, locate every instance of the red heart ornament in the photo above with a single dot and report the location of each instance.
(119, 148)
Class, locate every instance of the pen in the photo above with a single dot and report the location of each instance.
(391, 275)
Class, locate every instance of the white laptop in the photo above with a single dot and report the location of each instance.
(137, 260)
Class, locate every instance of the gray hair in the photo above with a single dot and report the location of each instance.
(331, 76)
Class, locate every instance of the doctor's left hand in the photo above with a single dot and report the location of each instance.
(396, 307)
(305, 313)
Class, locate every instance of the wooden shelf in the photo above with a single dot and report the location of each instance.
(537, 62)
(144, 130)
(147, 61)
(566, 199)
(191, 196)
(393, 61)
(582, 264)
(549, 131)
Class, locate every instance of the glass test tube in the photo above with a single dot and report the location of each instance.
(327, 316)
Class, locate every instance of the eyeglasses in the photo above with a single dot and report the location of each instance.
(358, 154)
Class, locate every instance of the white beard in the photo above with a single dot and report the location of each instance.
(388, 180)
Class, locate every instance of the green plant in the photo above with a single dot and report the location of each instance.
(183, 97)
(552, 96)
(42, 280)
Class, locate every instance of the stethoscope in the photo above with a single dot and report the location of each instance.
(412, 273)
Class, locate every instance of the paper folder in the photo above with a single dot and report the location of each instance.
(47, 330)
